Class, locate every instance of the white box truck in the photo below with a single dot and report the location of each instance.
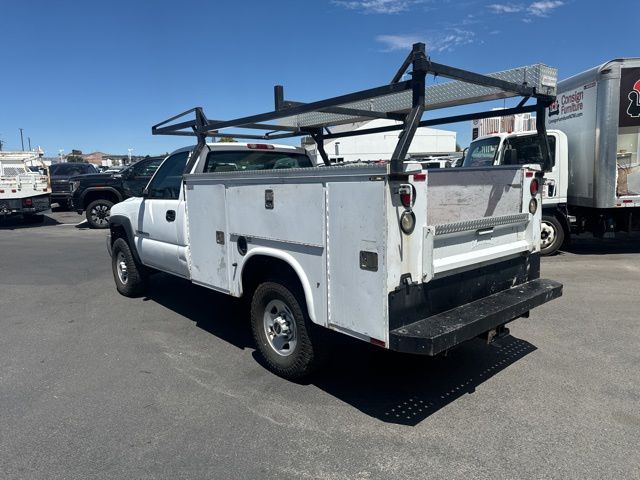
(594, 138)
(407, 259)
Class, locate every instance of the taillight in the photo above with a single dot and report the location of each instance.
(407, 195)
(27, 202)
(260, 146)
(533, 187)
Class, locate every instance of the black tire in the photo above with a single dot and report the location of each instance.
(552, 235)
(305, 356)
(98, 212)
(130, 276)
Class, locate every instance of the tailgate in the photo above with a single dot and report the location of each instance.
(475, 216)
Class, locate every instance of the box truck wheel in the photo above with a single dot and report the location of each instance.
(130, 277)
(282, 330)
(551, 235)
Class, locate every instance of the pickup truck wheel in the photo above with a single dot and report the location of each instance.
(282, 331)
(130, 277)
(98, 212)
(551, 235)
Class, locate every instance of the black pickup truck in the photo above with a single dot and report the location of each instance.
(95, 194)
(60, 174)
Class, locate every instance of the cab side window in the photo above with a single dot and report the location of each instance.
(529, 151)
(168, 179)
(146, 168)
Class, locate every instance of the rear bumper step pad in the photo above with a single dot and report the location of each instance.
(435, 334)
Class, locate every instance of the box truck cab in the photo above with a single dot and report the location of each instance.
(523, 148)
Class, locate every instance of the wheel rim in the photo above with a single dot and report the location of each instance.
(100, 214)
(121, 268)
(280, 328)
(547, 234)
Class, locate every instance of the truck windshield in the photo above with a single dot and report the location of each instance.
(240, 160)
(482, 153)
(70, 169)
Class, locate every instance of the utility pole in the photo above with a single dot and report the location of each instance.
(29, 138)
(21, 139)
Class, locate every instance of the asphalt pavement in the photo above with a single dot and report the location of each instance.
(96, 385)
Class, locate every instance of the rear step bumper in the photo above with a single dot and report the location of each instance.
(435, 334)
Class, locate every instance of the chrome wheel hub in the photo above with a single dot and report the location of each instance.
(547, 234)
(280, 327)
(121, 268)
(100, 214)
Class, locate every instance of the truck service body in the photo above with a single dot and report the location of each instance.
(22, 191)
(411, 260)
(594, 184)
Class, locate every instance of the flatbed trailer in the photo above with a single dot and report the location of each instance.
(404, 258)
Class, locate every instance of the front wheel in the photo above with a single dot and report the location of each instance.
(98, 213)
(129, 275)
(551, 235)
(282, 331)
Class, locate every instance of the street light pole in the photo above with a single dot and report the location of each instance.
(21, 139)
(29, 138)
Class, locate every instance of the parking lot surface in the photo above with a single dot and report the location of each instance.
(96, 385)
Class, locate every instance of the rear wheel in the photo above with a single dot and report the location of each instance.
(551, 235)
(129, 275)
(98, 213)
(283, 331)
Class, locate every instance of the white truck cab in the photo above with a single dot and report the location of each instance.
(407, 259)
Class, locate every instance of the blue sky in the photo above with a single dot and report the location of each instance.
(96, 75)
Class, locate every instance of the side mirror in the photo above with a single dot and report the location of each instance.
(510, 157)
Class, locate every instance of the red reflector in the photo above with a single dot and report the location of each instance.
(627, 201)
(405, 198)
(27, 202)
(13, 190)
(1, 191)
(260, 146)
(529, 174)
(375, 341)
(419, 177)
(533, 187)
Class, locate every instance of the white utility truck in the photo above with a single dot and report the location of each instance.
(23, 191)
(594, 184)
(404, 258)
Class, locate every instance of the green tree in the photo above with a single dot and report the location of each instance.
(227, 140)
(74, 159)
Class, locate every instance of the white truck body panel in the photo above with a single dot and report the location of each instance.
(600, 151)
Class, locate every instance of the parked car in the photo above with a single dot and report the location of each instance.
(60, 174)
(94, 195)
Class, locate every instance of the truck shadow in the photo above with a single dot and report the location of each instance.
(17, 223)
(407, 389)
(392, 387)
(588, 245)
(214, 312)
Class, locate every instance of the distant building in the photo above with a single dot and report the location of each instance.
(380, 146)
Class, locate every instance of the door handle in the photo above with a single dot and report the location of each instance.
(171, 215)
